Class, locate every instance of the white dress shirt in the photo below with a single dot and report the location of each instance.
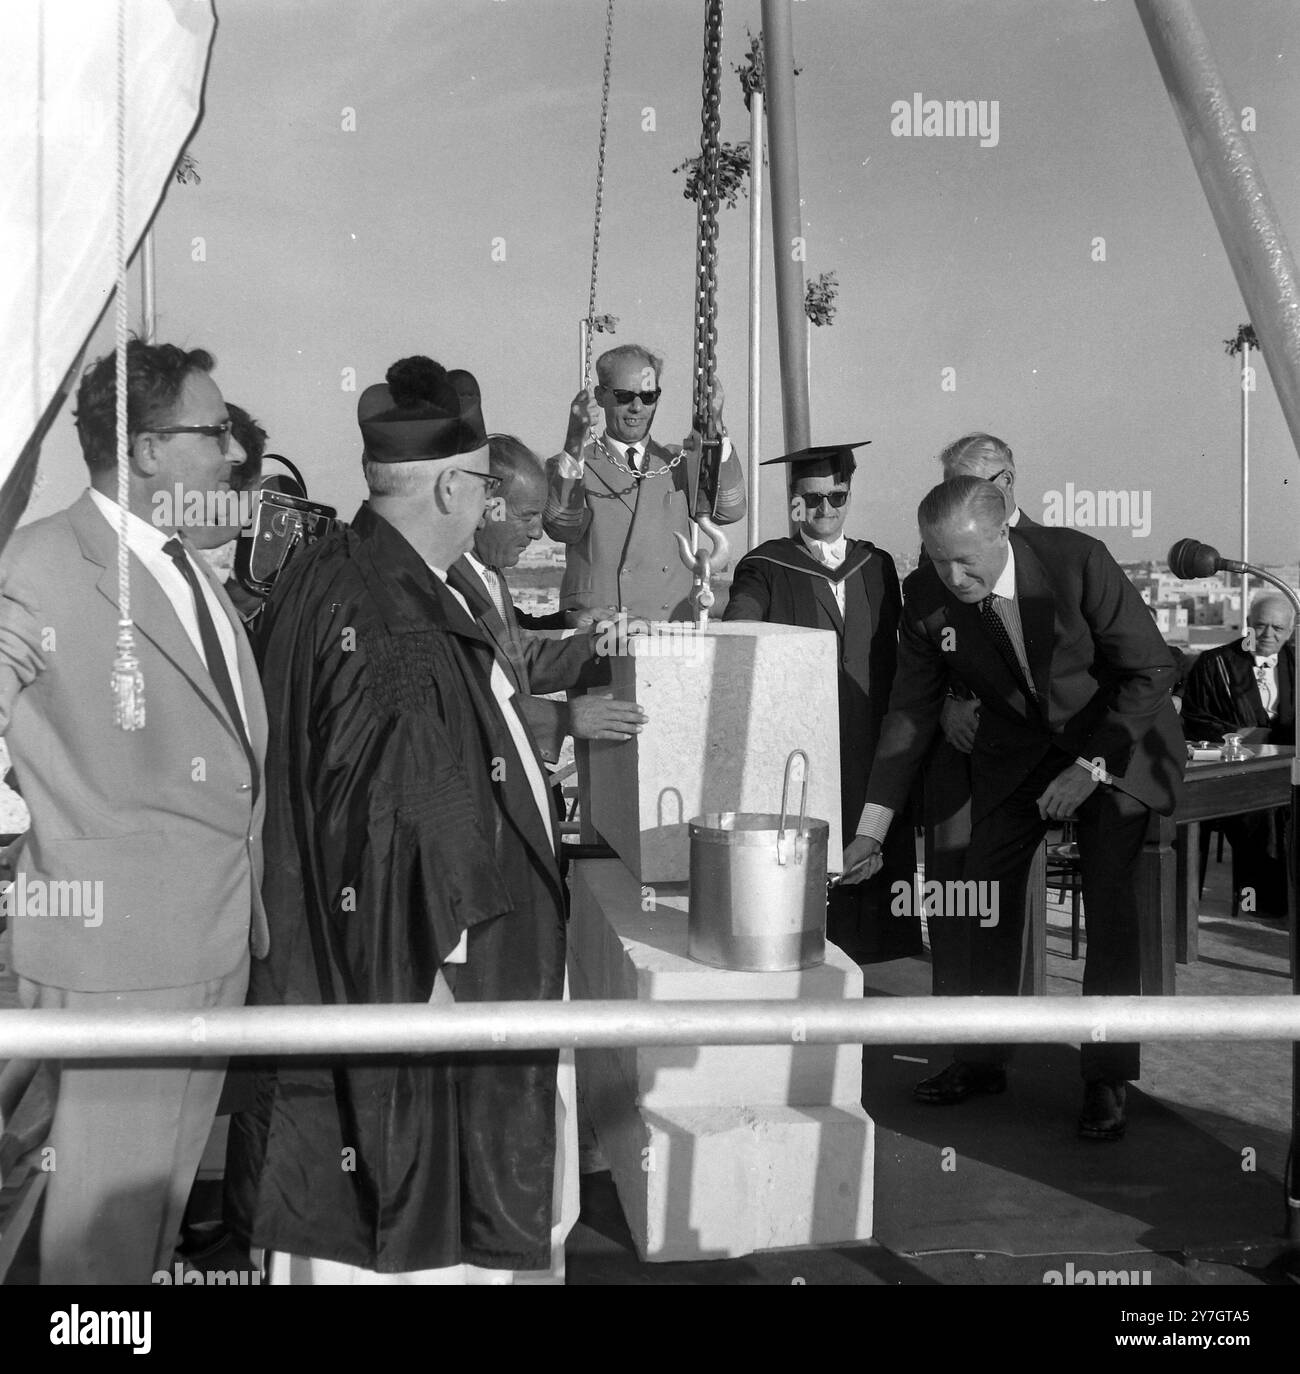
(146, 542)
(1266, 681)
(493, 584)
(876, 818)
(830, 555)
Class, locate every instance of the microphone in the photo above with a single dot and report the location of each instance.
(1191, 558)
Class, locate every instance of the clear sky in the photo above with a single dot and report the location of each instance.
(325, 249)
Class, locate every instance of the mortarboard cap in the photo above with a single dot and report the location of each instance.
(822, 460)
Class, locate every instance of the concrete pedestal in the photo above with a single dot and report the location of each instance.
(716, 1150)
(725, 709)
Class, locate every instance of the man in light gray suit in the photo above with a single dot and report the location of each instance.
(615, 502)
(138, 886)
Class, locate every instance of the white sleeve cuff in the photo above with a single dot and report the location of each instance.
(1096, 770)
(875, 821)
(568, 466)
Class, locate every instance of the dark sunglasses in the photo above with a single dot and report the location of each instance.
(813, 499)
(624, 398)
(221, 432)
(490, 482)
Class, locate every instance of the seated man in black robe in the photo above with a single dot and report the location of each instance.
(1247, 687)
(825, 581)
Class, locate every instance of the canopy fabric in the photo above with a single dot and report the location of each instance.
(58, 196)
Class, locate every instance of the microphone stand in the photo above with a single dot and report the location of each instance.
(1189, 559)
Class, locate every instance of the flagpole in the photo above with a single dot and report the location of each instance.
(754, 436)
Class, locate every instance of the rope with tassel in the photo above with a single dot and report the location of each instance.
(128, 680)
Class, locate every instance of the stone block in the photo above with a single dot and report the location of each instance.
(715, 1150)
(619, 949)
(725, 709)
(717, 1181)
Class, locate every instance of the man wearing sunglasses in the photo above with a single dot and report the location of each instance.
(616, 501)
(821, 579)
(154, 832)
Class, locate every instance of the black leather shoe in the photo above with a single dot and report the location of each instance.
(1104, 1110)
(958, 1082)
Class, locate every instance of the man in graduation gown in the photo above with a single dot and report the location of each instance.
(1248, 687)
(411, 859)
(821, 579)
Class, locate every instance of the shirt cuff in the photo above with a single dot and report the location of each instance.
(875, 821)
(568, 466)
(1096, 770)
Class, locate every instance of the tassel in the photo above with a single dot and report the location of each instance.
(128, 682)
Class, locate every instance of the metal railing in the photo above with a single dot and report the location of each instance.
(419, 1029)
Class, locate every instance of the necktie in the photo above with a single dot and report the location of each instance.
(1001, 637)
(634, 460)
(1261, 679)
(212, 651)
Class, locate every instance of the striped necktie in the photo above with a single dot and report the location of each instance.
(991, 618)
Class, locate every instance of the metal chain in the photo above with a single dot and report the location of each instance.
(632, 472)
(600, 193)
(706, 285)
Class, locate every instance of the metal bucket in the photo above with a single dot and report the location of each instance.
(758, 887)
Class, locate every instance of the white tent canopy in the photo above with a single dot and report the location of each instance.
(58, 239)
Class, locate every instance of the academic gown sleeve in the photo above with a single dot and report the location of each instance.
(751, 592)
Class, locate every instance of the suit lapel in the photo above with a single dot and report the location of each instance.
(1037, 616)
(152, 614)
(615, 482)
(822, 591)
(463, 578)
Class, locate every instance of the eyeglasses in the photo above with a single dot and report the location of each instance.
(624, 398)
(490, 481)
(221, 432)
(813, 499)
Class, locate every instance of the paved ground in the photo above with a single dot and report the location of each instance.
(1192, 1195)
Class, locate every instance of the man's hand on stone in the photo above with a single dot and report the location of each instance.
(862, 859)
(959, 721)
(604, 718)
(1067, 792)
(590, 617)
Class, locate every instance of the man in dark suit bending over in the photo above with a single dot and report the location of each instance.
(1076, 720)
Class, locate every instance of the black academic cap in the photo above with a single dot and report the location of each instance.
(822, 460)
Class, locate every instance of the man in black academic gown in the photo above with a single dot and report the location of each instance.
(821, 579)
(1248, 687)
(410, 859)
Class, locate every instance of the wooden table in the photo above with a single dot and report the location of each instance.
(1210, 790)
(1168, 876)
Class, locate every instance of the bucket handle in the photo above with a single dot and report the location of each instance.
(801, 845)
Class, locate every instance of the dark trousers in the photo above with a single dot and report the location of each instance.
(1111, 827)
(946, 817)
